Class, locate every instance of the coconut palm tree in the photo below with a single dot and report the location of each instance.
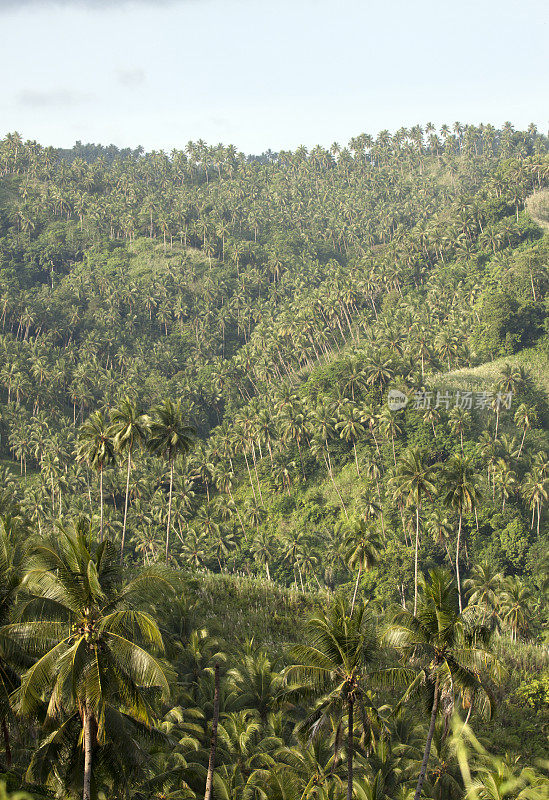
(483, 589)
(515, 606)
(535, 490)
(452, 655)
(95, 446)
(501, 780)
(129, 428)
(459, 421)
(13, 657)
(338, 662)
(506, 479)
(414, 479)
(169, 437)
(460, 493)
(363, 545)
(525, 417)
(389, 427)
(350, 427)
(95, 646)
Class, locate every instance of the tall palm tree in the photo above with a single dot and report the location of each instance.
(96, 646)
(169, 437)
(483, 589)
(506, 480)
(452, 655)
(515, 606)
(414, 479)
(525, 416)
(129, 428)
(363, 545)
(95, 446)
(535, 490)
(462, 495)
(389, 427)
(350, 427)
(338, 662)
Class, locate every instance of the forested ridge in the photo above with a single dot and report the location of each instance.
(211, 515)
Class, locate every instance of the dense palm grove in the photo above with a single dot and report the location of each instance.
(229, 566)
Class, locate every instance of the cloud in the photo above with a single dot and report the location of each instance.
(131, 78)
(59, 98)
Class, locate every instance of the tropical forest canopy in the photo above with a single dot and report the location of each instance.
(274, 488)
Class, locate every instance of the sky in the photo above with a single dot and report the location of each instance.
(267, 74)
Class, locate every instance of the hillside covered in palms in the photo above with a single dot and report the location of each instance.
(197, 355)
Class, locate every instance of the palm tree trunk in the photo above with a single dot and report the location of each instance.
(356, 459)
(250, 476)
(428, 744)
(169, 511)
(300, 577)
(356, 588)
(126, 504)
(86, 793)
(7, 748)
(457, 564)
(328, 463)
(213, 740)
(237, 512)
(350, 751)
(256, 475)
(301, 459)
(415, 560)
(101, 501)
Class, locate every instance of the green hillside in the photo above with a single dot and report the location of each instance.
(199, 452)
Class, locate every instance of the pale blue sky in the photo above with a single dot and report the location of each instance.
(267, 74)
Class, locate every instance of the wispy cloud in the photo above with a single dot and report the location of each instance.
(131, 78)
(58, 98)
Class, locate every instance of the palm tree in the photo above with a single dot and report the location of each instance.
(255, 682)
(498, 781)
(96, 447)
(262, 550)
(451, 653)
(535, 490)
(414, 480)
(12, 656)
(506, 479)
(98, 665)
(515, 606)
(338, 663)
(459, 421)
(294, 544)
(389, 427)
(129, 428)
(350, 427)
(363, 545)
(483, 589)
(462, 495)
(525, 416)
(169, 437)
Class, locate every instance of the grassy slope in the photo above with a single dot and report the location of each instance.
(534, 359)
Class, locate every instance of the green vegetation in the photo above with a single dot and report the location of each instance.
(201, 474)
